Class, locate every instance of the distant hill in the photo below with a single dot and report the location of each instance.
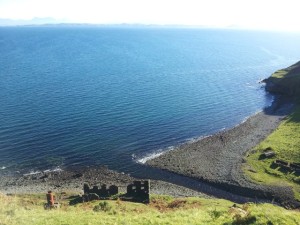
(48, 21)
(34, 21)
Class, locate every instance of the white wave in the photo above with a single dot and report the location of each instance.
(57, 169)
(32, 173)
(152, 155)
(3, 168)
(157, 153)
(149, 157)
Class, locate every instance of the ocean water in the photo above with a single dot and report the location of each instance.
(80, 96)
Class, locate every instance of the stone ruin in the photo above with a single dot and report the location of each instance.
(95, 193)
(138, 191)
(286, 166)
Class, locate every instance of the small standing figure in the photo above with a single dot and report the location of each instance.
(50, 201)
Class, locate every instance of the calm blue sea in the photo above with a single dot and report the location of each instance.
(79, 96)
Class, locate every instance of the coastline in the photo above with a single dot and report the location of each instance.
(214, 161)
(217, 159)
(214, 157)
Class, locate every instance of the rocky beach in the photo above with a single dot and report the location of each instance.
(215, 160)
(72, 180)
(218, 159)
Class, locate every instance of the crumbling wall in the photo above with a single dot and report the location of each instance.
(138, 191)
(97, 193)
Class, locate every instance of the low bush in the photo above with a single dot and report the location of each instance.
(103, 206)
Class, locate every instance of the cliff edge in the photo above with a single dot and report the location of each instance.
(285, 81)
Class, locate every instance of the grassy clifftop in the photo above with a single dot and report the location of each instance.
(285, 81)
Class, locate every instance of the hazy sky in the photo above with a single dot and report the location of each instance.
(257, 14)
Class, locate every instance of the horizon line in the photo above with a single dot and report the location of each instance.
(7, 22)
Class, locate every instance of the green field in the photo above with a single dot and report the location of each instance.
(28, 209)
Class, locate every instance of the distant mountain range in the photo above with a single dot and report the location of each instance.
(34, 21)
(48, 21)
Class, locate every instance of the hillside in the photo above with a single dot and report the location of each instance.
(284, 141)
(285, 81)
(28, 210)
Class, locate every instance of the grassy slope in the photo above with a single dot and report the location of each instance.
(163, 210)
(288, 80)
(285, 141)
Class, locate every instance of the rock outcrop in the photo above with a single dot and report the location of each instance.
(285, 81)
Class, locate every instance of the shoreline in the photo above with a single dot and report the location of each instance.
(219, 172)
(217, 159)
(219, 150)
(275, 103)
(72, 180)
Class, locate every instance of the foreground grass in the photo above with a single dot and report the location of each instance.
(284, 141)
(162, 210)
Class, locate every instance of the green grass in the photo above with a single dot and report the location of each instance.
(288, 79)
(28, 209)
(285, 140)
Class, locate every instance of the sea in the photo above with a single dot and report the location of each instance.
(77, 96)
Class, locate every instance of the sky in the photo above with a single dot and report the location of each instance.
(247, 14)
